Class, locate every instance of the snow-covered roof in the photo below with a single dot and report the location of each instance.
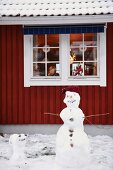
(26, 8)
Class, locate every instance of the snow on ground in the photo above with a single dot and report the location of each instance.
(40, 153)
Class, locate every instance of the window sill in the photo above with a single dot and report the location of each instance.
(65, 82)
(84, 78)
(45, 78)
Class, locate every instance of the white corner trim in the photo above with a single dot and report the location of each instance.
(48, 20)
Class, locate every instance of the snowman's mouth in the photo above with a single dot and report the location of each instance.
(71, 101)
(21, 139)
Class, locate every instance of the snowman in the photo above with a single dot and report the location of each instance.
(72, 143)
(17, 142)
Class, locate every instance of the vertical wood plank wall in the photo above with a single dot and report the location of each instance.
(19, 105)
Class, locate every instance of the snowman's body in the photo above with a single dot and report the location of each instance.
(72, 143)
(17, 143)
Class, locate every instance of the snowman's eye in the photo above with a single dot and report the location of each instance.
(19, 136)
(70, 96)
(67, 96)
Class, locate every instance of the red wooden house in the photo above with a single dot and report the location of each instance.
(48, 44)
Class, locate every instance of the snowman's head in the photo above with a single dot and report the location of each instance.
(72, 99)
(22, 137)
(17, 139)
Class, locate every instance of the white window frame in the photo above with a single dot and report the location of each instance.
(45, 61)
(64, 53)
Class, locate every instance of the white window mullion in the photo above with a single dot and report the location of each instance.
(46, 55)
(65, 55)
(83, 52)
(98, 55)
(103, 58)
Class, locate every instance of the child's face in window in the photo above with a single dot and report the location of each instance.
(52, 71)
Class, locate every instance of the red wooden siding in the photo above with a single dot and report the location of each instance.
(19, 105)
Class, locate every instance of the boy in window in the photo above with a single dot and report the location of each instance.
(52, 71)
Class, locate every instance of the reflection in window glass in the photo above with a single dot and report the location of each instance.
(38, 55)
(39, 69)
(38, 40)
(53, 40)
(53, 69)
(90, 39)
(90, 54)
(76, 54)
(90, 68)
(76, 40)
(53, 54)
(76, 69)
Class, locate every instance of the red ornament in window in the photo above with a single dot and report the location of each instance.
(78, 71)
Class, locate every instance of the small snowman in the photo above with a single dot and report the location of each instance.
(17, 142)
(72, 143)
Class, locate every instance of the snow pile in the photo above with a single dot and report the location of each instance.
(102, 152)
(40, 145)
(40, 153)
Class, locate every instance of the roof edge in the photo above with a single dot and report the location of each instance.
(55, 20)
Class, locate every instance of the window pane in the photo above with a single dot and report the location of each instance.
(38, 40)
(38, 69)
(53, 69)
(90, 39)
(38, 55)
(76, 69)
(76, 55)
(53, 54)
(90, 54)
(90, 68)
(53, 40)
(76, 40)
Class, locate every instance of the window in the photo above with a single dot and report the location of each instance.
(46, 59)
(65, 59)
(84, 57)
